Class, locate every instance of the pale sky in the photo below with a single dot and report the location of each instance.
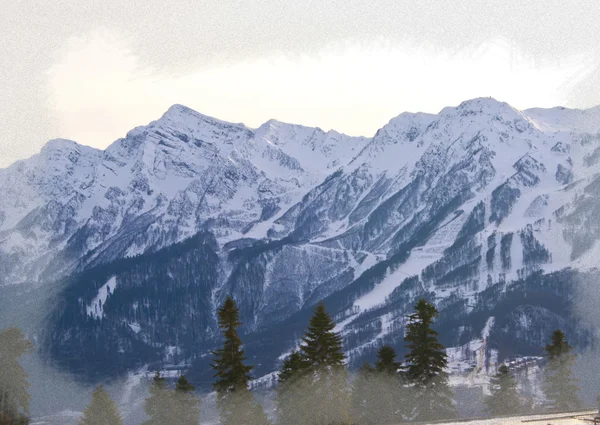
(90, 71)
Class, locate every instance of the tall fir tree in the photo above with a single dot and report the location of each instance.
(386, 360)
(378, 394)
(289, 396)
(14, 394)
(160, 406)
(102, 410)
(504, 398)
(322, 348)
(426, 361)
(391, 406)
(560, 386)
(187, 405)
(328, 391)
(231, 372)
(235, 401)
(364, 394)
(292, 367)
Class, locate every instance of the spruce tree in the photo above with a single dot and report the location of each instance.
(290, 391)
(183, 385)
(326, 377)
(235, 401)
(102, 410)
(504, 398)
(292, 367)
(560, 386)
(426, 361)
(322, 348)
(187, 405)
(364, 392)
(160, 406)
(378, 393)
(14, 395)
(391, 405)
(386, 360)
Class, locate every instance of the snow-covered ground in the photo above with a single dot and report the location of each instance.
(96, 306)
(553, 419)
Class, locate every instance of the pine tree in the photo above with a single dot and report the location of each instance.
(504, 398)
(235, 401)
(101, 411)
(232, 374)
(14, 395)
(386, 360)
(326, 377)
(290, 391)
(560, 386)
(187, 405)
(183, 385)
(391, 405)
(292, 367)
(322, 348)
(425, 366)
(160, 406)
(364, 392)
(378, 393)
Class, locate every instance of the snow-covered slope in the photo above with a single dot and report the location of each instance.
(158, 185)
(458, 207)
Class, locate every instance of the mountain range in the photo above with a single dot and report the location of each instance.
(487, 211)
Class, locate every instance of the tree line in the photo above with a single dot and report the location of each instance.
(314, 385)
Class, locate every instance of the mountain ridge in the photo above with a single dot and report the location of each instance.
(458, 207)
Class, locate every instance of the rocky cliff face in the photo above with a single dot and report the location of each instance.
(485, 210)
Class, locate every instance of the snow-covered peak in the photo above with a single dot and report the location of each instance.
(561, 119)
(182, 116)
(483, 105)
(280, 133)
(482, 111)
(61, 145)
(186, 168)
(60, 150)
(315, 150)
(407, 126)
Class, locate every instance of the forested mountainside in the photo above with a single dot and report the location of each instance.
(487, 211)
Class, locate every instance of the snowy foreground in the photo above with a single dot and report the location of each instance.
(578, 418)
(543, 419)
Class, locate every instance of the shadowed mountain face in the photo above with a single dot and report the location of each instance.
(485, 210)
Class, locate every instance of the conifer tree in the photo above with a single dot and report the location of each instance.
(386, 360)
(102, 410)
(160, 406)
(504, 398)
(364, 392)
(292, 367)
(390, 407)
(425, 366)
(290, 391)
(183, 385)
(187, 405)
(322, 348)
(14, 395)
(236, 403)
(560, 386)
(378, 393)
(327, 380)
